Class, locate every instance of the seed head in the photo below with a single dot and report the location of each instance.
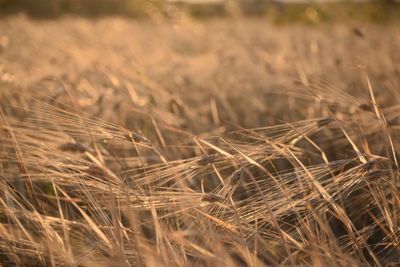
(324, 122)
(131, 136)
(236, 175)
(207, 159)
(366, 107)
(212, 198)
(73, 147)
(370, 165)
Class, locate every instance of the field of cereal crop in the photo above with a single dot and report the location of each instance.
(227, 141)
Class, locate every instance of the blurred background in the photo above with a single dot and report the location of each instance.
(281, 10)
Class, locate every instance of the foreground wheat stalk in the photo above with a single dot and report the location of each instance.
(76, 190)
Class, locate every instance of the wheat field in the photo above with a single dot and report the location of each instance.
(220, 142)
